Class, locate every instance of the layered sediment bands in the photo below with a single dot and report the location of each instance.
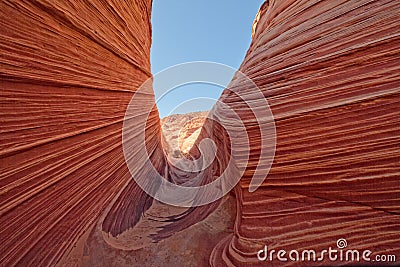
(330, 72)
(68, 71)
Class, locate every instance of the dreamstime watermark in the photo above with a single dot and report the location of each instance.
(194, 192)
(335, 254)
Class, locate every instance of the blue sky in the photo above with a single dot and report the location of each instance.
(206, 30)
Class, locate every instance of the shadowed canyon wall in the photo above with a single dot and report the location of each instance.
(68, 71)
(330, 73)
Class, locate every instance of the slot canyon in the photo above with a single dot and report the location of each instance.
(331, 75)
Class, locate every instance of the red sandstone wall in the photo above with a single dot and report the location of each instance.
(68, 71)
(330, 71)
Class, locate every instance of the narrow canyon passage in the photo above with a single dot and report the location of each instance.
(69, 69)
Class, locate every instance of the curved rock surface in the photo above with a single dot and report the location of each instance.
(68, 71)
(330, 73)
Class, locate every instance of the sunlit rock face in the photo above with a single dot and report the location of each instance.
(190, 132)
(330, 73)
(181, 131)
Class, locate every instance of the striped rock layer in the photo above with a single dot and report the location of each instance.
(330, 73)
(68, 72)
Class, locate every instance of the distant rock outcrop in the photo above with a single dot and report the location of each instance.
(181, 131)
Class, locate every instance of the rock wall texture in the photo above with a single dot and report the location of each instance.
(329, 70)
(68, 71)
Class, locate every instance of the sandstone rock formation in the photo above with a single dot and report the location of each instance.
(330, 73)
(190, 132)
(68, 71)
(179, 130)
